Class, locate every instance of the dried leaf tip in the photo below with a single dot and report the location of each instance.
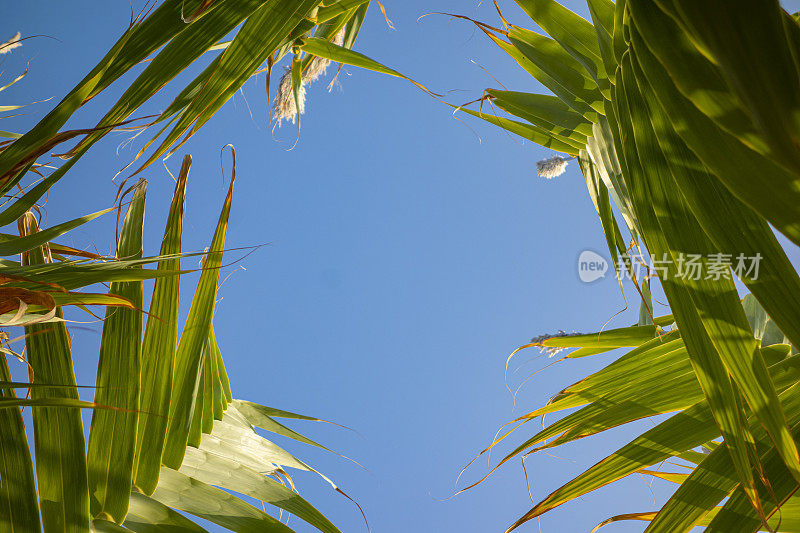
(318, 65)
(11, 44)
(552, 167)
(285, 106)
(550, 351)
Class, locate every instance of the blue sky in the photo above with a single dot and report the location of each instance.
(407, 256)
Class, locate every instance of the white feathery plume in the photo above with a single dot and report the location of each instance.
(552, 167)
(285, 106)
(11, 44)
(318, 65)
(550, 351)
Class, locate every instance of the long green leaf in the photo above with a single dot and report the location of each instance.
(158, 348)
(576, 36)
(188, 358)
(258, 38)
(19, 512)
(61, 469)
(112, 436)
(720, 310)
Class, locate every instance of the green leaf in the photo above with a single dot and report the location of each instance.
(61, 470)
(713, 479)
(178, 54)
(737, 515)
(158, 348)
(612, 338)
(528, 131)
(258, 38)
(146, 515)
(544, 111)
(233, 437)
(19, 511)
(189, 356)
(576, 36)
(23, 244)
(231, 475)
(673, 437)
(189, 495)
(568, 74)
(223, 374)
(598, 192)
(754, 55)
(718, 304)
(647, 188)
(341, 54)
(525, 56)
(261, 416)
(757, 181)
(733, 227)
(602, 12)
(112, 436)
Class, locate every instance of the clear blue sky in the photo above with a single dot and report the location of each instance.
(406, 260)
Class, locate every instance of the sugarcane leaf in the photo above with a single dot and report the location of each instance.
(189, 355)
(737, 515)
(717, 301)
(647, 190)
(602, 13)
(19, 510)
(258, 38)
(576, 36)
(257, 415)
(527, 131)
(673, 389)
(673, 437)
(545, 111)
(354, 24)
(341, 54)
(23, 244)
(713, 479)
(635, 365)
(768, 188)
(188, 495)
(598, 192)
(158, 347)
(146, 515)
(235, 439)
(223, 374)
(231, 475)
(112, 436)
(527, 62)
(758, 65)
(734, 228)
(612, 338)
(560, 67)
(61, 466)
(694, 75)
(104, 526)
(178, 54)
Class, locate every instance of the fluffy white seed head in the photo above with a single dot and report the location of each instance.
(552, 167)
(550, 351)
(318, 65)
(285, 106)
(11, 44)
